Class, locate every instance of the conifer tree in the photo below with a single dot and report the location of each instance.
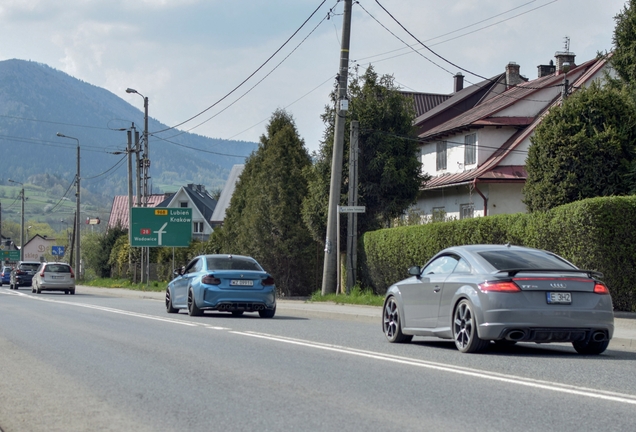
(264, 220)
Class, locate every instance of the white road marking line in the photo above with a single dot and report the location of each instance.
(510, 379)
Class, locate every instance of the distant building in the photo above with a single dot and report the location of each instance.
(38, 248)
(226, 195)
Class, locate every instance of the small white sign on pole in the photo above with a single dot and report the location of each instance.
(352, 209)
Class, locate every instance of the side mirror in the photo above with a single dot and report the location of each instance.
(415, 271)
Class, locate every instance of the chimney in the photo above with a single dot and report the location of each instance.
(545, 70)
(563, 58)
(512, 75)
(459, 81)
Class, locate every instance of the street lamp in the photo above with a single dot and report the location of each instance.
(77, 215)
(22, 220)
(27, 229)
(145, 252)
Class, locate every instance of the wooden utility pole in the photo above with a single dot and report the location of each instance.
(352, 218)
(331, 256)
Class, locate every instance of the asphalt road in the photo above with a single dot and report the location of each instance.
(94, 362)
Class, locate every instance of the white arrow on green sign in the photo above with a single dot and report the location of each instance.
(157, 227)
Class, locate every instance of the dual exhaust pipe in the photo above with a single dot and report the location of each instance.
(519, 335)
(239, 306)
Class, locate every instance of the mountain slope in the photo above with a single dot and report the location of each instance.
(37, 101)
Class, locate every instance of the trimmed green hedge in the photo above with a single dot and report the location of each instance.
(595, 234)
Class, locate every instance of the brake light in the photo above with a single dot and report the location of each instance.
(600, 288)
(268, 281)
(42, 274)
(211, 280)
(72, 274)
(499, 286)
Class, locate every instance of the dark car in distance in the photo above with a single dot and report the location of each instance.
(22, 274)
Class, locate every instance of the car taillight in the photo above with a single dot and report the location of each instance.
(42, 274)
(72, 274)
(600, 288)
(268, 281)
(211, 280)
(19, 272)
(499, 286)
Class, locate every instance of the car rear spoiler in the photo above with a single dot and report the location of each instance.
(513, 272)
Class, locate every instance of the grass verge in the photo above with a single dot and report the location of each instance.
(126, 284)
(356, 297)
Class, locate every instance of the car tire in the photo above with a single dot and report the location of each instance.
(267, 313)
(72, 292)
(464, 327)
(38, 290)
(392, 323)
(193, 309)
(591, 347)
(169, 307)
(237, 313)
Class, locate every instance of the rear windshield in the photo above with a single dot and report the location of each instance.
(27, 266)
(57, 268)
(524, 259)
(232, 263)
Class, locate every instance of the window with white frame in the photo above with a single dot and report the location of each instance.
(466, 211)
(439, 214)
(441, 155)
(197, 227)
(470, 149)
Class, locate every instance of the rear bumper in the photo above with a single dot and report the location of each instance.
(542, 326)
(243, 300)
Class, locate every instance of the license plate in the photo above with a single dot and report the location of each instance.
(57, 277)
(559, 297)
(241, 282)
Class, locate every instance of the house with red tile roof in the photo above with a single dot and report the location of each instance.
(476, 156)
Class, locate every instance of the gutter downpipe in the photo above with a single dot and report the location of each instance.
(483, 196)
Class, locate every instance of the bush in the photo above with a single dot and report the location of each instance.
(594, 234)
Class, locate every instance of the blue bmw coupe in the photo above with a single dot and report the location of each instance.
(225, 283)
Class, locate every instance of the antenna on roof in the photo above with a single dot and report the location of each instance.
(567, 44)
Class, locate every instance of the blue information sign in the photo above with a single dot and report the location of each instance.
(57, 250)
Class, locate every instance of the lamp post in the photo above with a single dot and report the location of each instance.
(21, 221)
(77, 216)
(27, 229)
(145, 163)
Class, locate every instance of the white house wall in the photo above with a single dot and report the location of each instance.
(489, 139)
(503, 198)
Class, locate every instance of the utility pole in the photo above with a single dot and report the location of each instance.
(352, 218)
(78, 261)
(331, 255)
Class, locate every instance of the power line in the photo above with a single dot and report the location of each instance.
(260, 81)
(249, 77)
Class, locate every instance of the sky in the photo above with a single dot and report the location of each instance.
(189, 56)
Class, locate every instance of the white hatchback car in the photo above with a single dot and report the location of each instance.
(54, 276)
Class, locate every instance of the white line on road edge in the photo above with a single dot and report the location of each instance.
(510, 379)
(117, 311)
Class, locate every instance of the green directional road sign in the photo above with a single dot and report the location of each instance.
(156, 227)
(13, 255)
